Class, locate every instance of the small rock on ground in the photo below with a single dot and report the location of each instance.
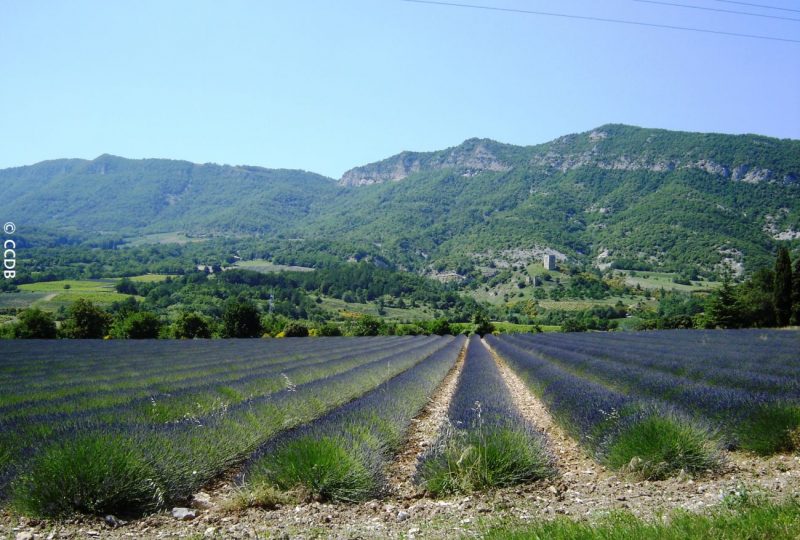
(184, 514)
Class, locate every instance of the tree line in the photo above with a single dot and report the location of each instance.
(768, 298)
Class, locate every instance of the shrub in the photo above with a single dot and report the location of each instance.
(493, 457)
(323, 468)
(769, 429)
(191, 326)
(659, 445)
(295, 329)
(410, 330)
(89, 474)
(126, 286)
(86, 321)
(366, 325)
(329, 329)
(138, 325)
(35, 324)
(241, 320)
(440, 327)
(482, 323)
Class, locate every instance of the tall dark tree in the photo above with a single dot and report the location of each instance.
(35, 324)
(783, 287)
(722, 309)
(86, 321)
(295, 329)
(796, 292)
(191, 326)
(139, 325)
(482, 323)
(755, 299)
(241, 320)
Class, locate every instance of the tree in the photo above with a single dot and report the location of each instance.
(35, 324)
(191, 326)
(366, 325)
(241, 319)
(329, 329)
(86, 321)
(483, 325)
(295, 329)
(572, 324)
(755, 299)
(139, 325)
(273, 324)
(783, 287)
(796, 291)
(126, 286)
(123, 308)
(721, 309)
(440, 327)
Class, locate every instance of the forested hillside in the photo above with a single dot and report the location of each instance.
(114, 194)
(621, 195)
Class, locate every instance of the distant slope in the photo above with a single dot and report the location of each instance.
(115, 194)
(618, 194)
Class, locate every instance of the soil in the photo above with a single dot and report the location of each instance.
(423, 431)
(582, 489)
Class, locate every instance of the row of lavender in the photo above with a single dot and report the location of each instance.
(64, 462)
(80, 374)
(751, 409)
(486, 441)
(211, 395)
(342, 456)
(753, 360)
(208, 394)
(741, 385)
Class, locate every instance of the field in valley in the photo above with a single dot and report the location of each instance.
(397, 436)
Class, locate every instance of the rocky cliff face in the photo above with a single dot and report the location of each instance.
(471, 157)
(610, 147)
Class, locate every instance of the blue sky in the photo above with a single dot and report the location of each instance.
(325, 85)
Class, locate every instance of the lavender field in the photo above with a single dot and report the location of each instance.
(126, 427)
(164, 418)
(736, 389)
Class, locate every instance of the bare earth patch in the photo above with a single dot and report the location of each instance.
(423, 431)
(571, 460)
(583, 489)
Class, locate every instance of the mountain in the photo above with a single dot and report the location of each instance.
(111, 193)
(638, 197)
(616, 194)
(471, 156)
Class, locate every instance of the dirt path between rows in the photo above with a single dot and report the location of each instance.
(571, 460)
(423, 431)
(584, 487)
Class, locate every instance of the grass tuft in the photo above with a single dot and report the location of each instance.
(89, 474)
(771, 429)
(495, 456)
(743, 522)
(261, 496)
(659, 446)
(325, 468)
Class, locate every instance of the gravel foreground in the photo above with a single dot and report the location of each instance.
(577, 493)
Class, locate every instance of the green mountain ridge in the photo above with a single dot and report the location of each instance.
(116, 194)
(612, 146)
(615, 194)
